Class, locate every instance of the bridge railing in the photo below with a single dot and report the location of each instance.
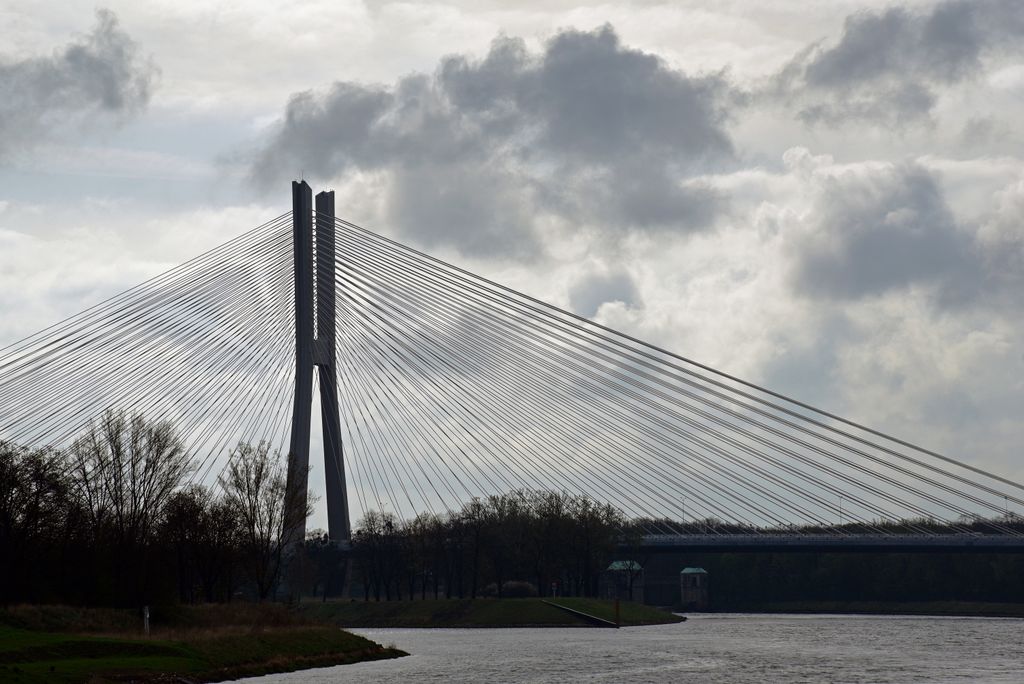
(839, 540)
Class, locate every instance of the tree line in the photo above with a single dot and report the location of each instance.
(115, 519)
(516, 544)
(540, 543)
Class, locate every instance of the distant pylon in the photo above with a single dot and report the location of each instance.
(315, 284)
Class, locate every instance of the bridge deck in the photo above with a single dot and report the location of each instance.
(835, 542)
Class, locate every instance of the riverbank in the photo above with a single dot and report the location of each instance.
(738, 649)
(187, 644)
(936, 608)
(527, 612)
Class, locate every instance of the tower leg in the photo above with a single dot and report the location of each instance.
(325, 358)
(298, 452)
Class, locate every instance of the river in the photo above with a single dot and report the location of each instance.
(707, 648)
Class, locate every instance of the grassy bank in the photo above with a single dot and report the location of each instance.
(529, 612)
(201, 644)
(630, 614)
(941, 608)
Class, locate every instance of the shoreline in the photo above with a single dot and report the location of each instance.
(893, 609)
(488, 613)
(28, 657)
(188, 644)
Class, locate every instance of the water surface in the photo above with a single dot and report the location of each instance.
(710, 648)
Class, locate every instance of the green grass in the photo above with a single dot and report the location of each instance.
(478, 613)
(220, 642)
(56, 618)
(630, 613)
(283, 650)
(28, 657)
(164, 619)
(31, 657)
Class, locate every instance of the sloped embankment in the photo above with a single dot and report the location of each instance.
(529, 612)
(194, 650)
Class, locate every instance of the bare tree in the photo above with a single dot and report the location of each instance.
(422, 562)
(595, 529)
(125, 470)
(33, 511)
(202, 530)
(507, 515)
(255, 486)
(476, 521)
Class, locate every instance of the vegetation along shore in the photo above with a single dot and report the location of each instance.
(188, 644)
(509, 612)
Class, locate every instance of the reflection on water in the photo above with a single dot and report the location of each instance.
(711, 648)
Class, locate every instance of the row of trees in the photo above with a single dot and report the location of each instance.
(114, 520)
(543, 540)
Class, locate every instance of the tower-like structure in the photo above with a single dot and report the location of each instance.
(315, 282)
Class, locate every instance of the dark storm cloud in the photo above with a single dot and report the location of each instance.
(881, 231)
(888, 66)
(889, 229)
(810, 367)
(99, 74)
(588, 293)
(587, 130)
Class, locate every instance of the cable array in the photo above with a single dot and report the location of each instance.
(207, 346)
(462, 387)
(452, 386)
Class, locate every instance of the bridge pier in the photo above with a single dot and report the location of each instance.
(325, 359)
(315, 291)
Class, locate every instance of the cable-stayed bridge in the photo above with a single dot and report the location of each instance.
(437, 386)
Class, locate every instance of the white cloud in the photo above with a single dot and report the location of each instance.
(135, 200)
(57, 261)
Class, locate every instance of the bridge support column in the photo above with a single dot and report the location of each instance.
(298, 450)
(324, 358)
(314, 347)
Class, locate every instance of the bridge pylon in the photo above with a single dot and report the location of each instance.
(315, 329)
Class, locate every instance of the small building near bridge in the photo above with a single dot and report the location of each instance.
(693, 586)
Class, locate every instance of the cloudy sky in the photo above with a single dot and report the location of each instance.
(824, 196)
